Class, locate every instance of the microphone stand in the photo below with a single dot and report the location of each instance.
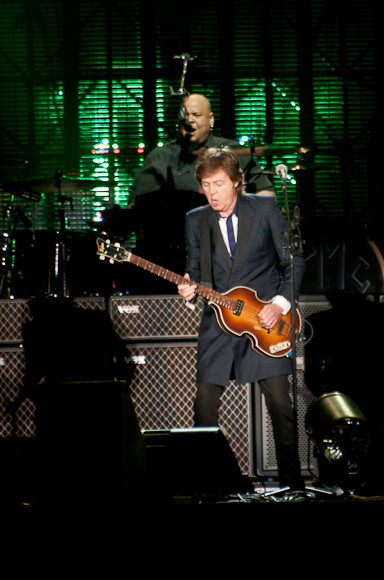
(294, 246)
(60, 257)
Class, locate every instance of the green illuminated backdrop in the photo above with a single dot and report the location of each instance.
(85, 84)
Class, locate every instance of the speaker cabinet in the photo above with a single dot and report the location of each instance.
(163, 391)
(154, 318)
(265, 463)
(17, 410)
(15, 313)
(65, 343)
(29, 350)
(192, 463)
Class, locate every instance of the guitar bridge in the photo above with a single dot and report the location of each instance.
(238, 308)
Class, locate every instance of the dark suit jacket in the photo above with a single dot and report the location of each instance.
(262, 262)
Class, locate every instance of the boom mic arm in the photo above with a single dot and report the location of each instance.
(185, 57)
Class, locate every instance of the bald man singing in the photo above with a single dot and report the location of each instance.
(165, 188)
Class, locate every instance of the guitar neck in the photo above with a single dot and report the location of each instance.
(201, 290)
(154, 268)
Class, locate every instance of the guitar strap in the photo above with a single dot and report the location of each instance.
(205, 249)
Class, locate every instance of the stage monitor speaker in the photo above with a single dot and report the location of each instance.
(90, 446)
(192, 463)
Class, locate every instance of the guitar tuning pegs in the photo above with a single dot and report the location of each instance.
(101, 257)
(117, 244)
(111, 261)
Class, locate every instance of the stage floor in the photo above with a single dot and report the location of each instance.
(32, 483)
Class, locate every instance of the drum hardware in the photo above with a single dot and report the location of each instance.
(7, 250)
(33, 190)
(67, 185)
(57, 284)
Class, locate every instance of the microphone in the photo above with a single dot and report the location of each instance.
(186, 124)
(282, 171)
(184, 121)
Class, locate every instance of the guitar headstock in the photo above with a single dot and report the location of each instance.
(114, 252)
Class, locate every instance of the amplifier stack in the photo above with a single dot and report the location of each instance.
(158, 337)
(17, 408)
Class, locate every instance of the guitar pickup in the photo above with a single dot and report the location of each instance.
(238, 308)
(281, 327)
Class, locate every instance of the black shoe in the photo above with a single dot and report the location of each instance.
(295, 495)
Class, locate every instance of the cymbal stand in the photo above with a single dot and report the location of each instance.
(294, 246)
(60, 257)
(7, 253)
(13, 215)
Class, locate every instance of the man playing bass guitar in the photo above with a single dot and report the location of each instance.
(241, 240)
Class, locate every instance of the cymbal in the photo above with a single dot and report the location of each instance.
(65, 185)
(264, 150)
(311, 167)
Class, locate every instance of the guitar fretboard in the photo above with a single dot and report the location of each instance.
(203, 291)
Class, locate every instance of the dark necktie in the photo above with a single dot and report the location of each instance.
(231, 235)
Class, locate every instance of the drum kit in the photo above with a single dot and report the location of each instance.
(35, 191)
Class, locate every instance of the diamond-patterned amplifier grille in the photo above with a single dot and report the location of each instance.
(21, 422)
(154, 317)
(267, 463)
(163, 391)
(234, 421)
(90, 302)
(13, 313)
(163, 384)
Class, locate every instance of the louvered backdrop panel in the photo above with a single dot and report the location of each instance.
(344, 65)
(86, 90)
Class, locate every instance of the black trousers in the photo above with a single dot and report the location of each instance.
(279, 405)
